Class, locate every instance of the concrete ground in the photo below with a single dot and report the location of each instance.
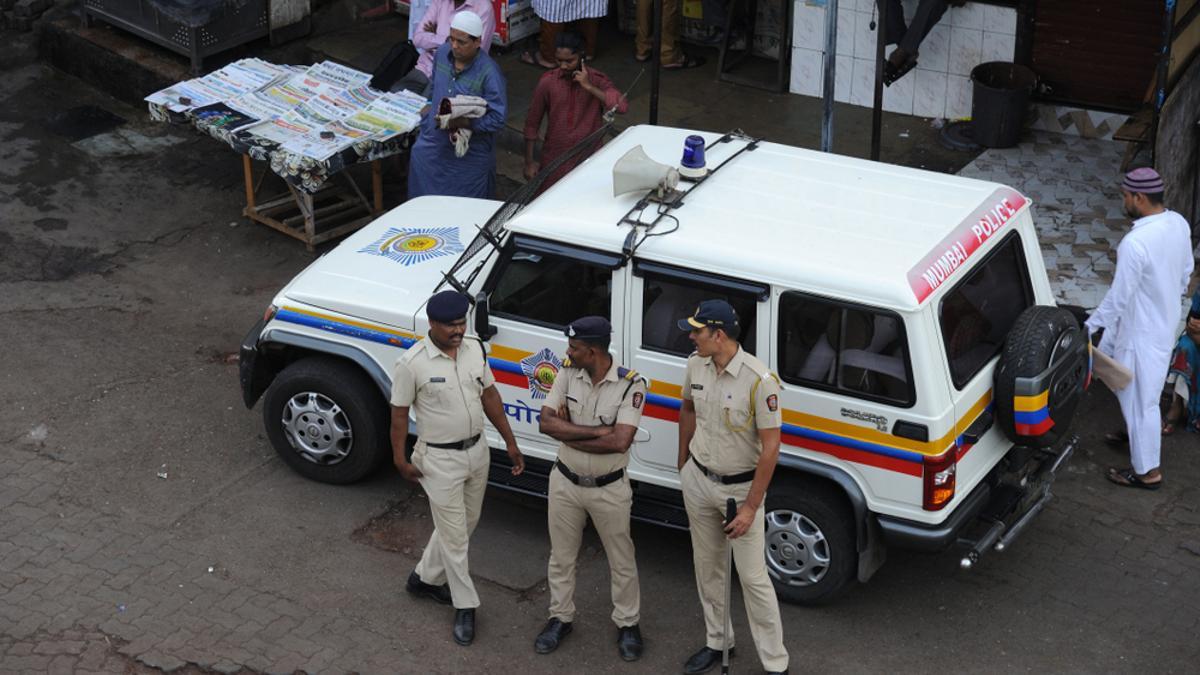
(148, 524)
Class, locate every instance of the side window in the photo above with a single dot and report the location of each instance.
(551, 289)
(849, 349)
(667, 298)
(977, 314)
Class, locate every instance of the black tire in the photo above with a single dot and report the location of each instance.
(345, 412)
(811, 553)
(1042, 334)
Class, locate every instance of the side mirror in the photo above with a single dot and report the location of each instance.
(483, 325)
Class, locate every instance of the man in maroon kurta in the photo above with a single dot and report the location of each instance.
(573, 98)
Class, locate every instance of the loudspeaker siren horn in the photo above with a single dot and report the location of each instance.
(635, 170)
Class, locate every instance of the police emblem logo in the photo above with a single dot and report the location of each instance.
(772, 403)
(540, 370)
(637, 399)
(412, 245)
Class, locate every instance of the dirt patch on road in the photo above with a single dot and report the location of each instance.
(403, 527)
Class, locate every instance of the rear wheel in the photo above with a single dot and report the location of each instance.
(326, 420)
(810, 546)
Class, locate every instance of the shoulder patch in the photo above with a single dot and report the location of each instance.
(773, 403)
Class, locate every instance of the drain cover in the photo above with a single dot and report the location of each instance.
(83, 122)
(959, 136)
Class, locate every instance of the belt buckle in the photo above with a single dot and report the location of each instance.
(587, 481)
(716, 478)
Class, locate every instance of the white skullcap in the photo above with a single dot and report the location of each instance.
(469, 23)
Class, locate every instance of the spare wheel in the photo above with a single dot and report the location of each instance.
(1043, 371)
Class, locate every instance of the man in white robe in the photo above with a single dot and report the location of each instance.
(1140, 316)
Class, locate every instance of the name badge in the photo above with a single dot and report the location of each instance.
(437, 379)
(697, 387)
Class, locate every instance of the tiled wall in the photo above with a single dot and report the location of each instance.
(940, 86)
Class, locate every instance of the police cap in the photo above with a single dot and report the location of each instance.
(590, 329)
(447, 307)
(714, 313)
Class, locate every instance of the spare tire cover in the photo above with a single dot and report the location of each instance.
(1043, 371)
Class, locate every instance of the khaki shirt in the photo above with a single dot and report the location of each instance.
(444, 393)
(618, 399)
(727, 421)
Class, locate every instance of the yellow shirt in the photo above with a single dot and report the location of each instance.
(731, 406)
(445, 393)
(617, 399)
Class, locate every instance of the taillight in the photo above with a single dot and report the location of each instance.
(269, 313)
(939, 480)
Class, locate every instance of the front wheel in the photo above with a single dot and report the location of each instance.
(327, 420)
(810, 547)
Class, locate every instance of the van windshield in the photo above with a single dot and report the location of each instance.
(976, 315)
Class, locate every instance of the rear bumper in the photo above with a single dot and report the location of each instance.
(908, 534)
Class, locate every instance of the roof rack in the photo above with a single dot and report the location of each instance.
(674, 199)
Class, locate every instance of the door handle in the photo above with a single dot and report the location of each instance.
(641, 436)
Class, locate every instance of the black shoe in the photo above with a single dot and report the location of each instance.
(550, 637)
(777, 672)
(703, 661)
(629, 643)
(421, 589)
(464, 626)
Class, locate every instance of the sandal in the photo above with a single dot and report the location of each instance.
(1127, 478)
(532, 59)
(685, 63)
(1168, 428)
(893, 72)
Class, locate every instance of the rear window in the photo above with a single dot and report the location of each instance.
(977, 314)
(845, 348)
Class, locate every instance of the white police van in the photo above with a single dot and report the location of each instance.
(928, 380)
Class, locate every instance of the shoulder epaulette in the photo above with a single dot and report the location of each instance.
(626, 373)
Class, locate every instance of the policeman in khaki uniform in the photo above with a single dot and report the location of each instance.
(593, 409)
(729, 427)
(446, 380)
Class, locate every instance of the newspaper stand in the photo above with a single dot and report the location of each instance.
(322, 200)
(314, 218)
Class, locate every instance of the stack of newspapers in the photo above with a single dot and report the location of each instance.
(313, 112)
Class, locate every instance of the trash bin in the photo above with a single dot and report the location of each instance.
(999, 101)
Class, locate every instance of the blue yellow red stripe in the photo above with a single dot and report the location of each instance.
(839, 439)
(1031, 414)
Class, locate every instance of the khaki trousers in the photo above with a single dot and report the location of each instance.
(608, 506)
(669, 52)
(705, 502)
(454, 482)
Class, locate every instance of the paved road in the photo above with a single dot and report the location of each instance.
(147, 524)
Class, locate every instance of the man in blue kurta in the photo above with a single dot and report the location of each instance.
(460, 68)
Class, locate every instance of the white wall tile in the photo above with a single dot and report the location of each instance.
(934, 53)
(969, 15)
(845, 31)
(862, 88)
(958, 97)
(998, 46)
(898, 98)
(966, 50)
(1000, 19)
(843, 78)
(929, 93)
(808, 26)
(864, 37)
(807, 71)
(910, 10)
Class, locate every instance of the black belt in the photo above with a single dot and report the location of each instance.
(456, 445)
(743, 477)
(589, 481)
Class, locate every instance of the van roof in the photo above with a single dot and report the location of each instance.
(781, 215)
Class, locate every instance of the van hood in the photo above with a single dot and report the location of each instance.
(386, 271)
